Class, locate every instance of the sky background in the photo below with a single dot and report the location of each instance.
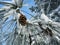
(28, 4)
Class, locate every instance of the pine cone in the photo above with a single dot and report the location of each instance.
(22, 20)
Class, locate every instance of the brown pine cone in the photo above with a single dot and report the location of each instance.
(22, 20)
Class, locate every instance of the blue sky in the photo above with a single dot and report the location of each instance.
(26, 8)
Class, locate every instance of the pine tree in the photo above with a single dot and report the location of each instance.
(41, 29)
